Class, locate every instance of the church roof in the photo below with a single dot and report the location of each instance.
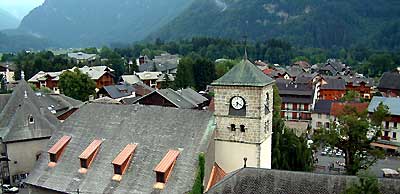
(244, 74)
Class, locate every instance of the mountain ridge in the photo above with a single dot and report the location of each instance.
(7, 20)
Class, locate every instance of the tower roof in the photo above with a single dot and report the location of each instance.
(244, 74)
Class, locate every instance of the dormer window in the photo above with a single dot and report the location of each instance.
(58, 148)
(31, 119)
(122, 161)
(164, 168)
(87, 156)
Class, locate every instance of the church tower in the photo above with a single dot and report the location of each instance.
(243, 111)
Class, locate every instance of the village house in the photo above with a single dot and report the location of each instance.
(102, 75)
(81, 57)
(326, 111)
(154, 79)
(391, 127)
(8, 72)
(129, 79)
(27, 121)
(361, 85)
(298, 101)
(331, 88)
(389, 85)
(165, 63)
(185, 98)
(125, 149)
(249, 180)
(117, 92)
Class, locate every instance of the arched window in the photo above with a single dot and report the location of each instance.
(266, 105)
(31, 119)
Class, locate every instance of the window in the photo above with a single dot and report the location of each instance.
(242, 128)
(122, 161)
(394, 135)
(387, 125)
(319, 124)
(386, 133)
(395, 124)
(233, 127)
(164, 168)
(88, 155)
(31, 120)
(327, 125)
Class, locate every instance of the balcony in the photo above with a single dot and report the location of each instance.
(387, 138)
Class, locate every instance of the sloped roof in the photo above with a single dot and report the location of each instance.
(192, 96)
(57, 102)
(176, 98)
(142, 89)
(392, 103)
(158, 67)
(130, 79)
(244, 74)
(387, 81)
(333, 83)
(217, 174)
(81, 55)
(3, 100)
(288, 87)
(118, 91)
(323, 106)
(154, 129)
(266, 181)
(14, 118)
(337, 107)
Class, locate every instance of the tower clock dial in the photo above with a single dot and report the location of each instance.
(237, 102)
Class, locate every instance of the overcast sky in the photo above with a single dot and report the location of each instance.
(19, 8)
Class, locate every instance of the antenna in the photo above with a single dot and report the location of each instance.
(245, 40)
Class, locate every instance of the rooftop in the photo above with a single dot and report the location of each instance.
(154, 130)
(266, 181)
(387, 81)
(244, 74)
(392, 103)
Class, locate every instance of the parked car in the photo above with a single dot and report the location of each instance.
(339, 153)
(10, 189)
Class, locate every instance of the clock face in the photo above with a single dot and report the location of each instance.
(237, 102)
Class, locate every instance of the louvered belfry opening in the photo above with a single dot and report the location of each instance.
(164, 168)
(88, 156)
(122, 161)
(57, 149)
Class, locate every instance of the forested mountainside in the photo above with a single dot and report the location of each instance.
(82, 23)
(313, 23)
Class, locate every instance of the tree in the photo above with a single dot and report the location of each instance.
(367, 184)
(184, 76)
(77, 85)
(349, 134)
(351, 96)
(289, 152)
(198, 184)
(380, 114)
(3, 87)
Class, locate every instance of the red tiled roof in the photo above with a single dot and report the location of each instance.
(216, 175)
(167, 161)
(124, 154)
(267, 71)
(337, 107)
(91, 149)
(60, 144)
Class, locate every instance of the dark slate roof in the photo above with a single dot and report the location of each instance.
(158, 67)
(118, 91)
(130, 100)
(14, 123)
(334, 83)
(192, 96)
(142, 89)
(176, 98)
(257, 180)
(294, 71)
(323, 106)
(3, 100)
(244, 74)
(58, 103)
(390, 80)
(155, 130)
(288, 87)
